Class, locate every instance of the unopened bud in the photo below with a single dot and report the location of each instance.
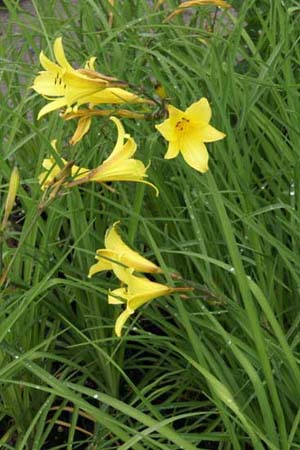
(160, 91)
(11, 196)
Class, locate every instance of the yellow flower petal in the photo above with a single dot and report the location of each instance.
(121, 152)
(90, 64)
(89, 85)
(52, 106)
(199, 111)
(121, 320)
(120, 139)
(141, 290)
(123, 273)
(211, 134)
(48, 163)
(173, 150)
(126, 255)
(98, 267)
(82, 128)
(45, 84)
(175, 114)
(115, 96)
(52, 170)
(117, 296)
(53, 144)
(60, 54)
(166, 129)
(42, 177)
(79, 172)
(48, 64)
(195, 154)
(105, 262)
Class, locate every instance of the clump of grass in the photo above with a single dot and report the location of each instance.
(219, 368)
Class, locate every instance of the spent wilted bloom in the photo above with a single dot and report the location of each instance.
(117, 252)
(136, 292)
(191, 3)
(67, 87)
(119, 166)
(188, 131)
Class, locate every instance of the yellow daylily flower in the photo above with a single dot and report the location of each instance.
(119, 166)
(62, 84)
(67, 87)
(137, 292)
(117, 252)
(191, 3)
(188, 131)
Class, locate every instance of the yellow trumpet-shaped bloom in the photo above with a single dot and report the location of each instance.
(119, 166)
(67, 87)
(188, 131)
(137, 292)
(117, 252)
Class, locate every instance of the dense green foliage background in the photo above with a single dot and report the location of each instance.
(217, 370)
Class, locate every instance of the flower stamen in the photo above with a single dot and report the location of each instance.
(181, 124)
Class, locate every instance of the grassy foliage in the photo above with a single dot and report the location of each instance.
(219, 369)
